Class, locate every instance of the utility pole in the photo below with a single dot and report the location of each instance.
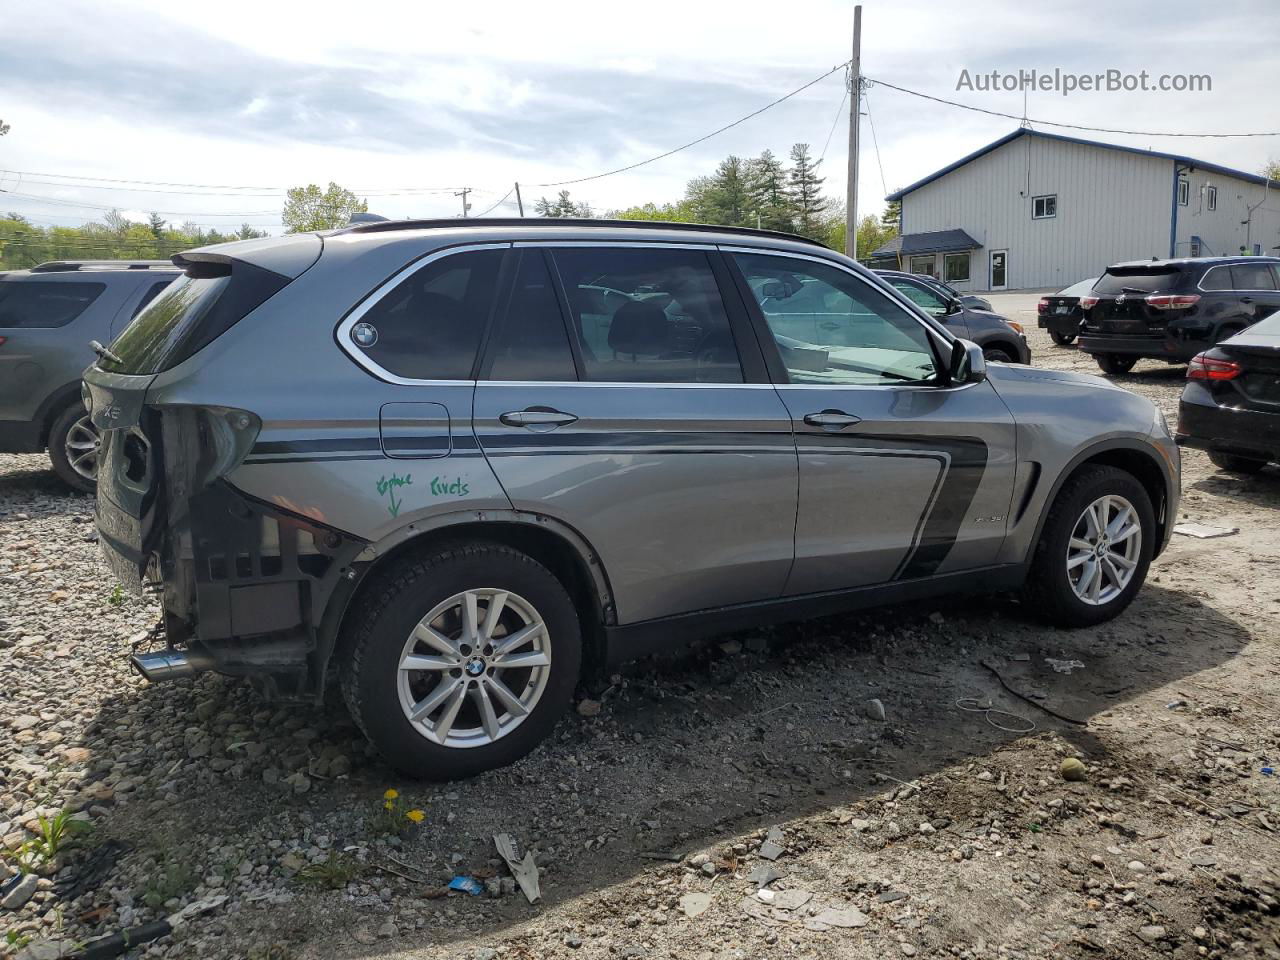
(519, 202)
(855, 113)
(463, 194)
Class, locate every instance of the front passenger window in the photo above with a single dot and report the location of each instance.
(929, 301)
(835, 328)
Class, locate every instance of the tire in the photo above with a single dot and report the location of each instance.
(1056, 578)
(1115, 364)
(998, 355)
(74, 460)
(1236, 464)
(384, 627)
(1062, 339)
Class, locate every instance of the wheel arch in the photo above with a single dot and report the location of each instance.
(52, 407)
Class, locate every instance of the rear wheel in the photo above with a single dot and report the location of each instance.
(462, 660)
(1062, 339)
(1235, 463)
(73, 449)
(1094, 548)
(998, 355)
(1115, 363)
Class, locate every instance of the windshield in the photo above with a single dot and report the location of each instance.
(1078, 289)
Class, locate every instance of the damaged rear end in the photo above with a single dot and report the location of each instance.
(243, 584)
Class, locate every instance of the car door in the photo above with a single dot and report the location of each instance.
(901, 475)
(643, 420)
(1258, 285)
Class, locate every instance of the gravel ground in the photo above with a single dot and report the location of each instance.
(924, 831)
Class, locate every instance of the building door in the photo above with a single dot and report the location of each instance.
(999, 269)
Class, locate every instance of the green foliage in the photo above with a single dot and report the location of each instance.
(116, 596)
(804, 187)
(767, 183)
(56, 833)
(394, 816)
(310, 208)
(681, 212)
(335, 872)
(562, 206)
(174, 880)
(13, 938)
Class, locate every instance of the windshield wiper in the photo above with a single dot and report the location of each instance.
(1132, 290)
(103, 353)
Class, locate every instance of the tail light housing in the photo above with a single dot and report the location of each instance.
(1205, 367)
(1167, 301)
(1087, 303)
(1043, 306)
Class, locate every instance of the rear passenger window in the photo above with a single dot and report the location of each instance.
(531, 343)
(44, 303)
(1217, 278)
(1252, 276)
(648, 314)
(152, 292)
(429, 326)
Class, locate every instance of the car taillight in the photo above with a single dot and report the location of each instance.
(1165, 301)
(1042, 306)
(1088, 302)
(1204, 367)
(2, 340)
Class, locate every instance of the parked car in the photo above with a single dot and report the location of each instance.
(972, 301)
(1001, 339)
(453, 461)
(1173, 309)
(1230, 406)
(48, 316)
(1060, 313)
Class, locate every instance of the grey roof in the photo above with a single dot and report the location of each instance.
(940, 241)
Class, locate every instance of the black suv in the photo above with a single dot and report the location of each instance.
(1173, 309)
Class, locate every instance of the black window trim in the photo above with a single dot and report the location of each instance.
(968, 255)
(1044, 216)
(1211, 198)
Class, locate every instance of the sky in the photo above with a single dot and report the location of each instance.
(407, 103)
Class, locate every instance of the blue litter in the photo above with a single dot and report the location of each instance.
(1268, 771)
(467, 885)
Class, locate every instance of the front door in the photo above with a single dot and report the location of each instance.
(999, 269)
(647, 424)
(901, 477)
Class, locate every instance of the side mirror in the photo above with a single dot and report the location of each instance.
(954, 306)
(967, 362)
(775, 290)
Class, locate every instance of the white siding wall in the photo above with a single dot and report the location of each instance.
(1223, 231)
(1112, 206)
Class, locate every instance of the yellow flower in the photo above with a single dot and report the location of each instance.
(391, 794)
(417, 816)
(387, 805)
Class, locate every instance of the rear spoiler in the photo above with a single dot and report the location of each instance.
(289, 256)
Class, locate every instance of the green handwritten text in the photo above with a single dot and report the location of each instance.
(387, 488)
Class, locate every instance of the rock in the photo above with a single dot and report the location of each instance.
(1073, 769)
(695, 904)
(873, 710)
(772, 847)
(1151, 933)
(291, 863)
(860, 826)
(589, 708)
(907, 950)
(927, 828)
(388, 930)
(1137, 866)
(763, 874)
(24, 722)
(16, 891)
(846, 917)
(573, 941)
(47, 950)
(340, 766)
(731, 647)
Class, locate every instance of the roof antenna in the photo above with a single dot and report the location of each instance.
(1025, 124)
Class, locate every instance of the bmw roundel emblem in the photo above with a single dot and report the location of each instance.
(364, 334)
(475, 667)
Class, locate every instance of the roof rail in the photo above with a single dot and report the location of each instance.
(63, 266)
(553, 222)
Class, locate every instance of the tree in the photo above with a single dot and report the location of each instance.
(725, 196)
(681, 212)
(156, 223)
(562, 206)
(116, 222)
(892, 216)
(1271, 169)
(310, 208)
(247, 232)
(767, 183)
(4, 128)
(805, 189)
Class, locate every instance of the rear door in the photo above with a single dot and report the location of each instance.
(1258, 285)
(642, 418)
(900, 476)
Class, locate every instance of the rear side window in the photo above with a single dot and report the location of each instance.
(153, 291)
(1216, 278)
(1140, 280)
(429, 326)
(44, 303)
(190, 313)
(1252, 276)
(531, 343)
(648, 314)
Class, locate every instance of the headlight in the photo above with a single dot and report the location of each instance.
(1016, 326)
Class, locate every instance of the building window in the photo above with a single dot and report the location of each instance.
(956, 267)
(1195, 245)
(1042, 208)
(1184, 191)
(1211, 197)
(924, 266)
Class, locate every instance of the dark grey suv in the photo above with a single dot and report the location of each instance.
(1001, 339)
(48, 316)
(452, 461)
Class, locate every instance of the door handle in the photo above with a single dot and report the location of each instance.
(837, 419)
(830, 325)
(535, 417)
(1246, 299)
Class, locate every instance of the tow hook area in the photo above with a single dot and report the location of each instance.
(171, 664)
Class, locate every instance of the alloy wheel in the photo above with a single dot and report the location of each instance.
(1103, 552)
(81, 447)
(474, 668)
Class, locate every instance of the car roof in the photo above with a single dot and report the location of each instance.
(71, 269)
(1190, 262)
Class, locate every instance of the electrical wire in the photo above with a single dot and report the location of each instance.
(839, 111)
(498, 204)
(872, 124)
(1067, 126)
(99, 206)
(702, 139)
(208, 186)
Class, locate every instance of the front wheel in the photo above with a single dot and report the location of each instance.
(1236, 464)
(1062, 339)
(73, 449)
(1115, 364)
(462, 660)
(1094, 549)
(998, 355)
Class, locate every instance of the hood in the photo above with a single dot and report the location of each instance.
(1018, 371)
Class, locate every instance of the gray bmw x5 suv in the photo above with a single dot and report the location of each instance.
(450, 463)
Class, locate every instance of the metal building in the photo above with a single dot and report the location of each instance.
(1038, 210)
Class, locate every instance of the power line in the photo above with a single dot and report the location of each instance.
(872, 123)
(208, 186)
(694, 143)
(99, 206)
(839, 111)
(498, 204)
(1067, 126)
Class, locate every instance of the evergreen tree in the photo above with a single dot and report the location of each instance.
(156, 223)
(727, 197)
(562, 206)
(767, 182)
(805, 188)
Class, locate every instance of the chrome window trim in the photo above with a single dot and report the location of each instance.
(343, 330)
(612, 244)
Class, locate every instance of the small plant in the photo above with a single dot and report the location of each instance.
(56, 833)
(174, 880)
(335, 872)
(395, 817)
(17, 940)
(116, 597)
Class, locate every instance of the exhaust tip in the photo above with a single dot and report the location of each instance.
(166, 665)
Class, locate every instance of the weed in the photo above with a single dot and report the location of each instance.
(335, 872)
(57, 833)
(17, 940)
(116, 597)
(394, 816)
(173, 881)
